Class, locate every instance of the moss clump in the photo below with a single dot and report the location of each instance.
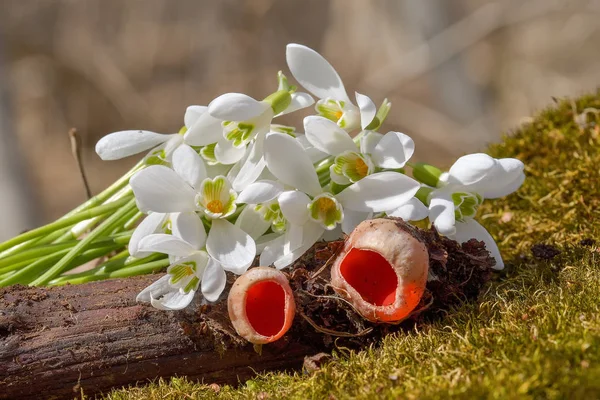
(535, 333)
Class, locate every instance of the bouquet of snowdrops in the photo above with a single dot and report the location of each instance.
(233, 184)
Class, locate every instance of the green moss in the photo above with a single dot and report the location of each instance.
(534, 334)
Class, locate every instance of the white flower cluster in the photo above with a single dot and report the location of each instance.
(232, 185)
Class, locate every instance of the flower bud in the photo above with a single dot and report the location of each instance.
(261, 305)
(382, 270)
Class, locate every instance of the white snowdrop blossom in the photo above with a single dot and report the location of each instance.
(312, 210)
(186, 188)
(246, 121)
(471, 179)
(233, 184)
(200, 129)
(319, 77)
(389, 151)
(192, 268)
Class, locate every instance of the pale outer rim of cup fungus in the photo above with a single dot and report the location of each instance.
(407, 255)
(236, 303)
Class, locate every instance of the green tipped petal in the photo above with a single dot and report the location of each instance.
(183, 274)
(353, 166)
(239, 133)
(208, 154)
(217, 198)
(326, 210)
(466, 204)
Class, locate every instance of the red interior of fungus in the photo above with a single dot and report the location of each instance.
(265, 307)
(371, 275)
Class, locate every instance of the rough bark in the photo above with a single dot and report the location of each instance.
(56, 341)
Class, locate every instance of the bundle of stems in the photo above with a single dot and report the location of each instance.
(98, 229)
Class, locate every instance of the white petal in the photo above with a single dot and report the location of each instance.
(369, 141)
(471, 229)
(471, 169)
(367, 109)
(189, 227)
(315, 73)
(156, 289)
(393, 150)
(148, 226)
(299, 101)
(260, 192)
(236, 107)
(189, 165)
(441, 212)
(160, 189)
(230, 246)
(353, 218)
(287, 160)
(205, 130)
(166, 244)
(314, 154)
(252, 222)
(192, 113)
(252, 166)
(126, 143)
(174, 300)
(506, 179)
(413, 210)
(276, 254)
(226, 153)
(379, 192)
(505, 189)
(327, 136)
(294, 206)
(213, 281)
(337, 178)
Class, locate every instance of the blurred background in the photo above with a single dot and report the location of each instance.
(459, 73)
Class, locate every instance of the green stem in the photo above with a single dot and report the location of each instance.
(129, 271)
(133, 220)
(34, 242)
(108, 192)
(26, 274)
(19, 260)
(112, 265)
(61, 223)
(60, 266)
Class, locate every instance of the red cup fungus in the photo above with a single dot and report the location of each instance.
(382, 270)
(261, 305)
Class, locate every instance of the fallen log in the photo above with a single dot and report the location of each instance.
(55, 342)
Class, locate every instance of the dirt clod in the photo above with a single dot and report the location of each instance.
(544, 251)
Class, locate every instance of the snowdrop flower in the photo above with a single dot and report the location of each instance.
(311, 210)
(200, 129)
(461, 190)
(262, 210)
(193, 267)
(246, 121)
(153, 223)
(187, 188)
(389, 151)
(319, 77)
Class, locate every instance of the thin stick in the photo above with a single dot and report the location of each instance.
(76, 151)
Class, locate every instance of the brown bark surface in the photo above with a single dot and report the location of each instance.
(95, 336)
(56, 341)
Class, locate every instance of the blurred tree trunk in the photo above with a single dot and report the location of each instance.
(16, 202)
